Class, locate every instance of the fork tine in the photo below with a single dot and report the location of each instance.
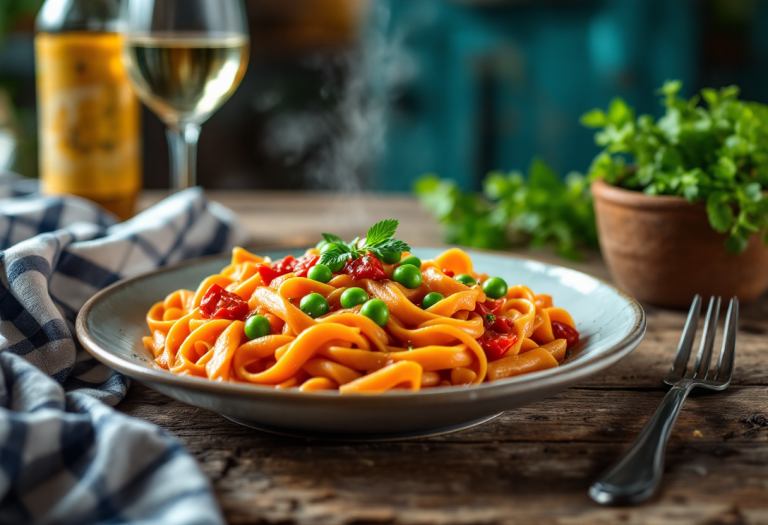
(704, 356)
(724, 369)
(686, 340)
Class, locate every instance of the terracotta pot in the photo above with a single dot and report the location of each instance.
(663, 251)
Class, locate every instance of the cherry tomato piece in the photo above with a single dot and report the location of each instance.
(366, 267)
(218, 303)
(286, 265)
(494, 306)
(486, 314)
(489, 308)
(502, 324)
(303, 264)
(267, 274)
(563, 331)
(495, 345)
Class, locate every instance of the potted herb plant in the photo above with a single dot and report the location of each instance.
(680, 202)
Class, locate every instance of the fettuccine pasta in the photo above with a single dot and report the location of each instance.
(369, 328)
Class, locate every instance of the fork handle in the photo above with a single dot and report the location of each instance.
(637, 473)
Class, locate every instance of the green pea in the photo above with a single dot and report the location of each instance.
(392, 258)
(407, 275)
(431, 299)
(314, 305)
(495, 287)
(327, 246)
(413, 261)
(466, 279)
(351, 297)
(257, 326)
(377, 311)
(320, 245)
(336, 267)
(320, 273)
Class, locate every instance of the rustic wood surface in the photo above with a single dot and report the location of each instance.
(531, 465)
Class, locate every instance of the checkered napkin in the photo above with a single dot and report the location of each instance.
(66, 457)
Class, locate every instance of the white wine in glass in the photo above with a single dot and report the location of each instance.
(184, 67)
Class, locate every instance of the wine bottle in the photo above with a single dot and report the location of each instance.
(88, 114)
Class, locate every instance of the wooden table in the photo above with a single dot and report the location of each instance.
(532, 465)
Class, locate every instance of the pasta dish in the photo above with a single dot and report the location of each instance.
(358, 317)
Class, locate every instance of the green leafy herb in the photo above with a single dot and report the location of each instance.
(381, 232)
(513, 209)
(329, 237)
(378, 241)
(716, 153)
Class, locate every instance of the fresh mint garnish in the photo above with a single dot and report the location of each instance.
(378, 241)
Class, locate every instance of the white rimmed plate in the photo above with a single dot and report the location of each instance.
(610, 322)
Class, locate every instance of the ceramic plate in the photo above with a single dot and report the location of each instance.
(611, 325)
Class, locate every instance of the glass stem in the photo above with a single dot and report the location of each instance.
(182, 144)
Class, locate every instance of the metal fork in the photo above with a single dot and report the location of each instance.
(636, 475)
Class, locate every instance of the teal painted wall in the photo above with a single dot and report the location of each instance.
(492, 87)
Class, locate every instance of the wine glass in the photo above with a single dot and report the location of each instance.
(184, 58)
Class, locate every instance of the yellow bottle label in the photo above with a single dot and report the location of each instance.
(88, 116)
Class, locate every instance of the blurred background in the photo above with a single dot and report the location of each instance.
(371, 94)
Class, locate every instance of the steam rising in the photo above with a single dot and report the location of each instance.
(340, 139)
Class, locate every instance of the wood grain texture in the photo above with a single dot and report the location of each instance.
(531, 465)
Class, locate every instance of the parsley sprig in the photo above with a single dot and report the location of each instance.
(715, 152)
(514, 209)
(378, 241)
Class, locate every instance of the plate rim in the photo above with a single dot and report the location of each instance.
(552, 378)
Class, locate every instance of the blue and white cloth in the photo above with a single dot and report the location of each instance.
(66, 457)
